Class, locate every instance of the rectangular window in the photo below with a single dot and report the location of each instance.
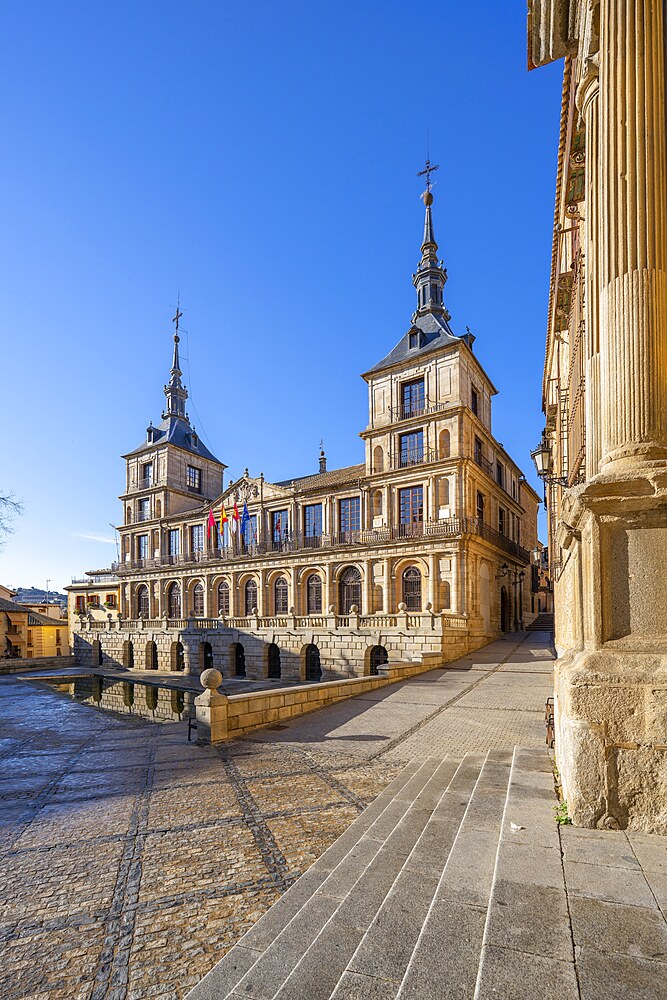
(411, 505)
(197, 538)
(80, 603)
(142, 547)
(279, 526)
(500, 474)
(174, 541)
(412, 448)
(502, 520)
(194, 479)
(474, 402)
(412, 398)
(111, 600)
(144, 512)
(478, 451)
(349, 515)
(514, 489)
(57, 637)
(30, 637)
(147, 474)
(312, 520)
(93, 601)
(480, 506)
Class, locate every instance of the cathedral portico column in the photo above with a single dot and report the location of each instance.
(633, 260)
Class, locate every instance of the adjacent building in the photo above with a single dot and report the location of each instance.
(420, 550)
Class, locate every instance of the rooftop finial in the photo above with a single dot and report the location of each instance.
(174, 390)
(431, 276)
(323, 457)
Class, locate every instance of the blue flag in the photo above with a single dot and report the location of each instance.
(245, 518)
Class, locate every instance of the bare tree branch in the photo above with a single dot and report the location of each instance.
(10, 508)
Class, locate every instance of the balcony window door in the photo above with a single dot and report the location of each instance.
(349, 590)
(412, 398)
(314, 594)
(411, 448)
(411, 510)
(281, 596)
(174, 542)
(147, 474)
(480, 507)
(197, 538)
(312, 524)
(279, 527)
(144, 509)
(142, 547)
(412, 589)
(349, 517)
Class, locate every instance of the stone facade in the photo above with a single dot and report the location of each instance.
(422, 549)
(605, 399)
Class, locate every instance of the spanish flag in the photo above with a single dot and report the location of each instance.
(223, 521)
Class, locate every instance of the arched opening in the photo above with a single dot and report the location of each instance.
(97, 653)
(238, 659)
(446, 595)
(376, 657)
(377, 503)
(504, 610)
(378, 459)
(151, 698)
(143, 603)
(280, 596)
(128, 654)
(349, 590)
(158, 509)
(177, 656)
(412, 589)
(378, 598)
(151, 655)
(128, 694)
(223, 598)
(174, 600)
(314, 595)
(205, 656)
(128, 515)
(177, 702)
(98, 683)
(313, 666)
(444, 444)
(198, 600)
(273, 661)
(250, 597)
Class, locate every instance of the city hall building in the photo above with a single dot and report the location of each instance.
(420, 552)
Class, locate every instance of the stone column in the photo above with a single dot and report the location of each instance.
(367, 603)
(633, 260)
(433, 580)
(387, 605)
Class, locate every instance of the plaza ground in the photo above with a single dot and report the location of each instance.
(132, 860)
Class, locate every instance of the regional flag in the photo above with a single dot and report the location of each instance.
(210, 525)
(235, 518)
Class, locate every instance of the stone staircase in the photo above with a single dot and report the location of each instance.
(543, 623)
(448, 885)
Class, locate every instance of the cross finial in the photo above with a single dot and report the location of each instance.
(178, 314)
(429, 169)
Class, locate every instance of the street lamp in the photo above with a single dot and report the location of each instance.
(543, 460)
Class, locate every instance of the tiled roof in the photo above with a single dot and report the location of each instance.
(176, 431)
(11, 606)
(326, 480)
(436, 333)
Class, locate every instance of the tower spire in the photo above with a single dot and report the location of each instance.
(431, 275)
(174, 390)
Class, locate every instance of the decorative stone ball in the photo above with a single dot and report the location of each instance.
(402, 607)
(354, 610)
(429, 606)
(255, 611)
(331, 609)
(211, 678)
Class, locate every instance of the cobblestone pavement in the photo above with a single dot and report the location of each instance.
(131, 861)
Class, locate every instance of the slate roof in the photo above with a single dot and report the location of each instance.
(34, 618)
(329, 479)
(436, 333)
(11, 606)
(176, 431)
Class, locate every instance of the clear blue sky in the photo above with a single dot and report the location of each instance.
(261, 158)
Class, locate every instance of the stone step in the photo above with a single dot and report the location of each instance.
(308, 956)
(387, 946)
(527, 934)
(228, 972)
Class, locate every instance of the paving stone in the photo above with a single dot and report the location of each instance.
(613, 928)
(446, 959)
(616, 885)
(529, 918)
(600, 847)
(353, 986)
(507, 975)
(617, 977)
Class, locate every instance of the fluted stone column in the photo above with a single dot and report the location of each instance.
(633, 260)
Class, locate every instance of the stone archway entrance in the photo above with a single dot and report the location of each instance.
(313, 666)
(377, 656)
(273, 661)
(177, 656)
(205, 656)
(151, 655)
(238, 659)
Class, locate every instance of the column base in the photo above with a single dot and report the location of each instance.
(611, 738)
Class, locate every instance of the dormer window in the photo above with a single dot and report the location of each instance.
(414, 338)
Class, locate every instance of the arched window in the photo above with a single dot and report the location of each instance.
(151, 655)
(273, 661)
(158, 508)
(412, 589)
(223, 598)
(177, 656)
(444, 492)
(446, 595)
(198, 600)
(377, 503)
(445, 446)
(378, 459)
(313, 667)
(349, 590)
(377, 656)
(314, 595)
(280, 596)
(143, 604)
(128, 515)
(174, 600)
(250, 596)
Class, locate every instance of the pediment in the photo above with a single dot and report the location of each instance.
(247, 489)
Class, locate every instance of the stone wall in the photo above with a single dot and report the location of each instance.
(20, 664)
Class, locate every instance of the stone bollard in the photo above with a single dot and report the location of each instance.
(211, 709)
